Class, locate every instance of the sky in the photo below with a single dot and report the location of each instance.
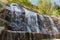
(58, 2)
(35, 2)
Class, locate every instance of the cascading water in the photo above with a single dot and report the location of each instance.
(53, 26)
(32, 21)
(44, 30)
(28, 21)
(17, 16)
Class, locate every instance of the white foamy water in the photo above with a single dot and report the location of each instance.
(32, 21)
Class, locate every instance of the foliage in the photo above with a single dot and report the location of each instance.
(43, 6)
(56, 10)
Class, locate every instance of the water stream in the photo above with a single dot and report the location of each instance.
(28, 21)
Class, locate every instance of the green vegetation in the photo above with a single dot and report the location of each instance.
(43, 6)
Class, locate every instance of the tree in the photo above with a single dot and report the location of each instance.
(56, 10)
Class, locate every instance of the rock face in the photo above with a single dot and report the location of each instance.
(30, 23)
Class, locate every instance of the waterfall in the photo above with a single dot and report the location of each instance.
(32, 21)
(17, 17)
(23, 19)
(28, 23)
